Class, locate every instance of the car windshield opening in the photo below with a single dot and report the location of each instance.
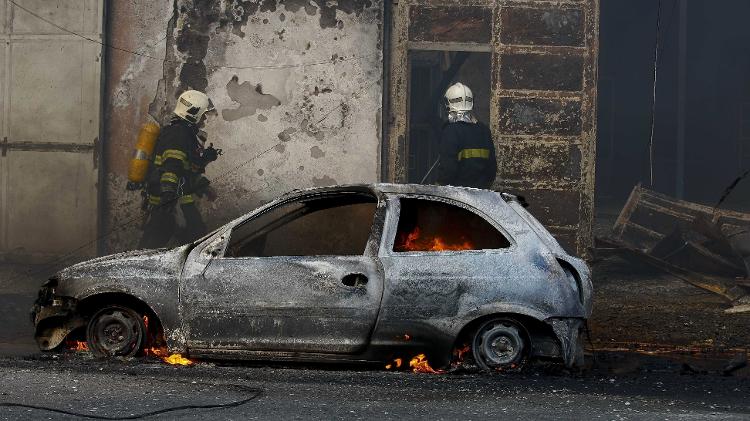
(328, 225)
(428, 225)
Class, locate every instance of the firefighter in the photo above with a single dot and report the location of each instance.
(467, 152)
(176, 174)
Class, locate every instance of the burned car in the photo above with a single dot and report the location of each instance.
(348, 273)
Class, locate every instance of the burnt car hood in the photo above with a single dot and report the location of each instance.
(157, 263)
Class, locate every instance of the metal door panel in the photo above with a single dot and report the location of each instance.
(4, 83)
(52, 201)
(3, 16)
(3, 201)
(80, 16)
(50, 83)
(284, 304)
(47, 101)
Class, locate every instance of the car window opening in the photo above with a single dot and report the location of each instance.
(336, 225)
(427, 225)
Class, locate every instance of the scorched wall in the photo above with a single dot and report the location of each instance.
(297, 87)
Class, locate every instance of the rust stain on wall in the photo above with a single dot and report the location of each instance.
(450, 24)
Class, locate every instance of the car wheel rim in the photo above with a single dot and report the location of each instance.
(498, 344)
(115, 332)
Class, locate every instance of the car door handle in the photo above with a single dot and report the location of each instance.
(354, 280)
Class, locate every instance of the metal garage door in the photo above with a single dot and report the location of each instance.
(50, 83)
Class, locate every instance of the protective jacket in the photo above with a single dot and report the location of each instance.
(175, 175)
(467, 155)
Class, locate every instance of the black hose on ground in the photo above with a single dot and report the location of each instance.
(252, 393)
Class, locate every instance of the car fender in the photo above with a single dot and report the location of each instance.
(160, 296)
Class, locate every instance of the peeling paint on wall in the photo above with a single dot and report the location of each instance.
(251, 99)
(316, 152)
(286, 135)
(323, 181)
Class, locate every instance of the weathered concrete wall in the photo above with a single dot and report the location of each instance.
(296, 85)
(543, 109)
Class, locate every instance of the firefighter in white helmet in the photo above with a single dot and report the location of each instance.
(176, 174)
(467, 152)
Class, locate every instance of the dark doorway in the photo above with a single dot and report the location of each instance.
(432, 72)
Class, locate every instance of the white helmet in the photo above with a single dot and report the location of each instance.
(191, 106)
(459, 98)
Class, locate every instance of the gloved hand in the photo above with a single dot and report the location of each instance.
(210, 154)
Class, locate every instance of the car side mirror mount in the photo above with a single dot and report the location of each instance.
(214, 249)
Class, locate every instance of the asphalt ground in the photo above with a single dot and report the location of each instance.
(128, 389)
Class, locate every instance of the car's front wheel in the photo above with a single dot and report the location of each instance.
(499, 344)
(116, 331)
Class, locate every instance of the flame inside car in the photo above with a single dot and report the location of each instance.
(417, 241)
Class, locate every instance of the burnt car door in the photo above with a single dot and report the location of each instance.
(300, 276)
(438, 254)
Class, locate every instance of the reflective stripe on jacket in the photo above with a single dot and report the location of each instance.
(467, 155)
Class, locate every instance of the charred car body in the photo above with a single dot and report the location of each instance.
(348, 273)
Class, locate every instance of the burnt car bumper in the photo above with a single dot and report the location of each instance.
(53, 317)
(570, 333)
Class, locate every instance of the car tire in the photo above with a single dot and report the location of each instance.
(116, 331)
(499, 344)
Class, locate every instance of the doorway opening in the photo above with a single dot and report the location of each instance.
(431, 73)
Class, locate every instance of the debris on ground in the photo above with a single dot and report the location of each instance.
(704, 246)
(737, 363)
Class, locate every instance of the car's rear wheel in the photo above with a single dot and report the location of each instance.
(499, 344)
(116, 331)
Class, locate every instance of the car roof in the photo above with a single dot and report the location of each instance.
(425, 189)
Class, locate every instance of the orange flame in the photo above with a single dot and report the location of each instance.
(414, 241)
(396, 362)
(162, 353)
(173, 359)
(460, 352)
(177, 359)
(419, 364)
(77, 346)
